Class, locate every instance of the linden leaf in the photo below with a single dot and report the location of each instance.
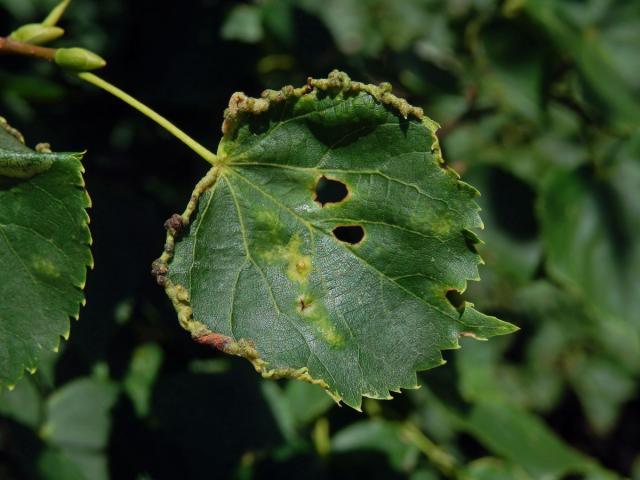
(323, 243)
(44, 250)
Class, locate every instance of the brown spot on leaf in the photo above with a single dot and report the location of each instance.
(303, 304)
(471, 335)
(215, 340)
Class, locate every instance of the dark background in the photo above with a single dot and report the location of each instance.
(525, 100)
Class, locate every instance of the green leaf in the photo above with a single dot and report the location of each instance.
(378, 435)
(44, 251)
(603, 387)
(604, 50)
(523, 439)
(590, 230)
(55, 465)
(306, 402)
(24, 404)
(78, 422)
(78, 414)
(262, 272)
(141, 376)
(295, 406)
(244, 23)
(489, 468)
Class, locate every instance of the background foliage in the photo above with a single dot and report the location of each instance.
(539, 103)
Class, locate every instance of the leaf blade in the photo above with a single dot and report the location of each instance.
(45, 251)
(357, 318)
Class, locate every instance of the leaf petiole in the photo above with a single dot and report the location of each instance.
(93, 79)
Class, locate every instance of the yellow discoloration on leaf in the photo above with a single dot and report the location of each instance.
(312, 310)
(298, 265)
(46, 267)
(441, 227)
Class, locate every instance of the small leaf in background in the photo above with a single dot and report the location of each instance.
(377, 435)
(44, 251)
(330, 235)
(295, 406)
(78, 422)
(244, 23)
(525, 440)
(23, 404)
(143, 371)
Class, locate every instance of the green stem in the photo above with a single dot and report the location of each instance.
(442, 460)
(208, 155)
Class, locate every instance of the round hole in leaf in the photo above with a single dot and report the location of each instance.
(329, 190)
(349, 233)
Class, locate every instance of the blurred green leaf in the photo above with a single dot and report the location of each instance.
(603, 387)
(281, 410)
(23, 404)
(78, 414)
(489, 468)
(143, 370)
(600, 59)
(526, 441)
(244, 23)
(567, 347)
(306, 402)
(78, 421)
(53, 464)
(378, 435)
(590, 229)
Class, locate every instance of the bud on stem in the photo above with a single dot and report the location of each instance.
(54, 17)
(36, 34)
(78, 59)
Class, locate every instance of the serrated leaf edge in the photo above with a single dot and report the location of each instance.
(78, 156)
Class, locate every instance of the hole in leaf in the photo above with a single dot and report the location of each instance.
(330, 191)
(349, 233)
(455, 299)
